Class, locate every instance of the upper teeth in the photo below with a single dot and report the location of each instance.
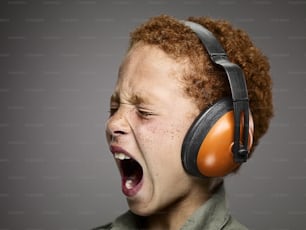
(121, 156)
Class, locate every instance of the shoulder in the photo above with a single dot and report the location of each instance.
(127, 221)
(104, 227)
(233, 224)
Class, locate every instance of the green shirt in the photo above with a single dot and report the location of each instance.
(212, 215)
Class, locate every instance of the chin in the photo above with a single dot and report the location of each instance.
(141, 208)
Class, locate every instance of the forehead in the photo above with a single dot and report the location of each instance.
(147, 71)
(147, 58)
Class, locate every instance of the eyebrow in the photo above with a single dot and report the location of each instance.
(134, 99)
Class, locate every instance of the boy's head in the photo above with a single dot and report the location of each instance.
(166, 79)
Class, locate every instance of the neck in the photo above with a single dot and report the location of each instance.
(176, 214)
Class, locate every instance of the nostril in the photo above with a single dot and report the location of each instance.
(114, 135)
(118, 132)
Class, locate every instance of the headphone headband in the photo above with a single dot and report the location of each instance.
(237, 84)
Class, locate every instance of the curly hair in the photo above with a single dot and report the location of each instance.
(203, 80)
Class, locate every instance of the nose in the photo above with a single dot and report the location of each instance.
(117, 125)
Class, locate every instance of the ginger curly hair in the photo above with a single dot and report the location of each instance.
(203, 80)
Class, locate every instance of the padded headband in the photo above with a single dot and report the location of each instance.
(237, 84)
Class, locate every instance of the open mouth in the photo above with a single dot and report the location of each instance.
(131, 174)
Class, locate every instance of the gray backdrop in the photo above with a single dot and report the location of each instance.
(58, 65)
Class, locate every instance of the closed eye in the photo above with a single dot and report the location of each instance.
(111, 112)
(144, 113)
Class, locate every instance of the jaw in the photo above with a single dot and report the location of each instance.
(185, 196)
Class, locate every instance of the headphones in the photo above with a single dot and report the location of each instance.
(221, 137)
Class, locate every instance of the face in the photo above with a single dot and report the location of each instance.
(149, 118)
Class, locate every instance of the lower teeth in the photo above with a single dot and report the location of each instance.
(129, 184)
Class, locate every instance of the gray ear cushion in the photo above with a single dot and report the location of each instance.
(198, 131)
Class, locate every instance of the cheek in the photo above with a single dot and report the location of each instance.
(164, 138)
(161, 146)
(168, 131)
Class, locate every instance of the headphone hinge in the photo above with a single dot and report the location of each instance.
(240, 147)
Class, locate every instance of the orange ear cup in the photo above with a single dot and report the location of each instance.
(207, 146)
(215, 157)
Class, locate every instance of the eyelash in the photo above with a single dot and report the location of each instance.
(141, 112)
(112, 111)
(144, 113)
